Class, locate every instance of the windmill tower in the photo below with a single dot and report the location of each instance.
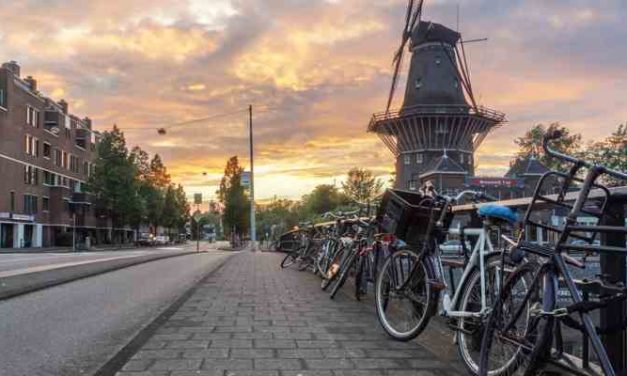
(439, 126)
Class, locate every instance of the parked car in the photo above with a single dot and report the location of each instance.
(162, 240)
(145, 239)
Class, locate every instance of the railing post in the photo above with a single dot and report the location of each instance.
(615, 268)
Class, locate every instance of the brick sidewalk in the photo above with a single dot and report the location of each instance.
(252, 318)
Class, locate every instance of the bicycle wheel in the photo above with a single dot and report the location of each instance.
(333, 269)
(471, 329)
(290, 259)
(405, 306)
(343, 274)
(361, 277)
(511, 330)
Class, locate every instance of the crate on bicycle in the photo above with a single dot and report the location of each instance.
(411, 216)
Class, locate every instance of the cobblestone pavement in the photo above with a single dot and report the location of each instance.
(253, 318)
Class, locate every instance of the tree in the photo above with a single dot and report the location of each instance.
(323, 198)
(361, 186)
(158, 173)
(114, 183)
(611, 152)
(531, 145)
(234, 199)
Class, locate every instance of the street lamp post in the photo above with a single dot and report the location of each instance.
(253, 230)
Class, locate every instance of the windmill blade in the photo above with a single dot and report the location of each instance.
(410, 18)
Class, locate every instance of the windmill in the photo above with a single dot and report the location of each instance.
(439, 125)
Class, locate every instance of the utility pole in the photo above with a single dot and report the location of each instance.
(253, 235)
(73, 232)
(198, 230)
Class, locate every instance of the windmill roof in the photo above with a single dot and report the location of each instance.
(527, 166)
(444, 164)
(427, 31)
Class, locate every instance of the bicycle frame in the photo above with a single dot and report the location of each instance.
(477, 258)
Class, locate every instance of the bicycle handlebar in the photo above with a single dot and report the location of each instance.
(555, 134)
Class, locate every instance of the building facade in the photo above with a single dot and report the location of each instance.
(46, 158)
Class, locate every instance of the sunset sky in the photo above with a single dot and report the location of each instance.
(315, 71)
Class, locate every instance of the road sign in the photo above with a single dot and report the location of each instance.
(245, 179)
(197, 215)
(197, 198)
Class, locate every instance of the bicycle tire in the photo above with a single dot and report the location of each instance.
(289, 259)
(533, 334)
(360, 272)
(470, 333)
(339, 282)
(383, 291)
(335, 263)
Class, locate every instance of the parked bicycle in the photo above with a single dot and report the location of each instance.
(523, 328)
(411, 282)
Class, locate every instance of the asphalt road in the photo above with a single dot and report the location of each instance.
(72, 329)
(23, 261)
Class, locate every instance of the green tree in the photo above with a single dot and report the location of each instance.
(531, 145)
(323, 198)
(361, 186)
(279, 214)
(114, 182)
(234, 199)
(611, 152)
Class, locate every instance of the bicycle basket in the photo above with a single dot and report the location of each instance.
(408, 215)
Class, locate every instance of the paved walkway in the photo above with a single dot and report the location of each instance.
(252, 318)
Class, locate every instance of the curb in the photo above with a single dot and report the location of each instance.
(122, 356)
(20, 284)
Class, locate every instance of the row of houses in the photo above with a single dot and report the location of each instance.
(46, 157)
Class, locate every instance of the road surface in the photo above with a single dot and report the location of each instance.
(22, 262)
(72, 329)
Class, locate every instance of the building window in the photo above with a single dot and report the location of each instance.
(64, 161)
(58, 160)
(47, 150)
(12, 199)
(31, 145)
(419, 158)
(418, 83)
(49, 178)
(2, 99)
(86, 168)
(406, 159)
(75, 163)
(31, 175)
(45, 204)
(30, 204)
(412, 185)
(32, 117)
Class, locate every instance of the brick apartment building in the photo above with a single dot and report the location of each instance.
(46, 157)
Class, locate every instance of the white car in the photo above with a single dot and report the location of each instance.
(162, 240)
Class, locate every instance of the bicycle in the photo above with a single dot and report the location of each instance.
(524, 324)
(411, 284)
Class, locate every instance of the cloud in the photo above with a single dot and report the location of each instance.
(314, 70)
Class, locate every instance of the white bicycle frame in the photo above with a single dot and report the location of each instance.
(477, 257)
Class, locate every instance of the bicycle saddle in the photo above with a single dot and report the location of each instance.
(499, 212)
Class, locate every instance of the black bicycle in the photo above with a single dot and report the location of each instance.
(523, 328)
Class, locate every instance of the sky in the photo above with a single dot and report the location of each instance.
(314, 71)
